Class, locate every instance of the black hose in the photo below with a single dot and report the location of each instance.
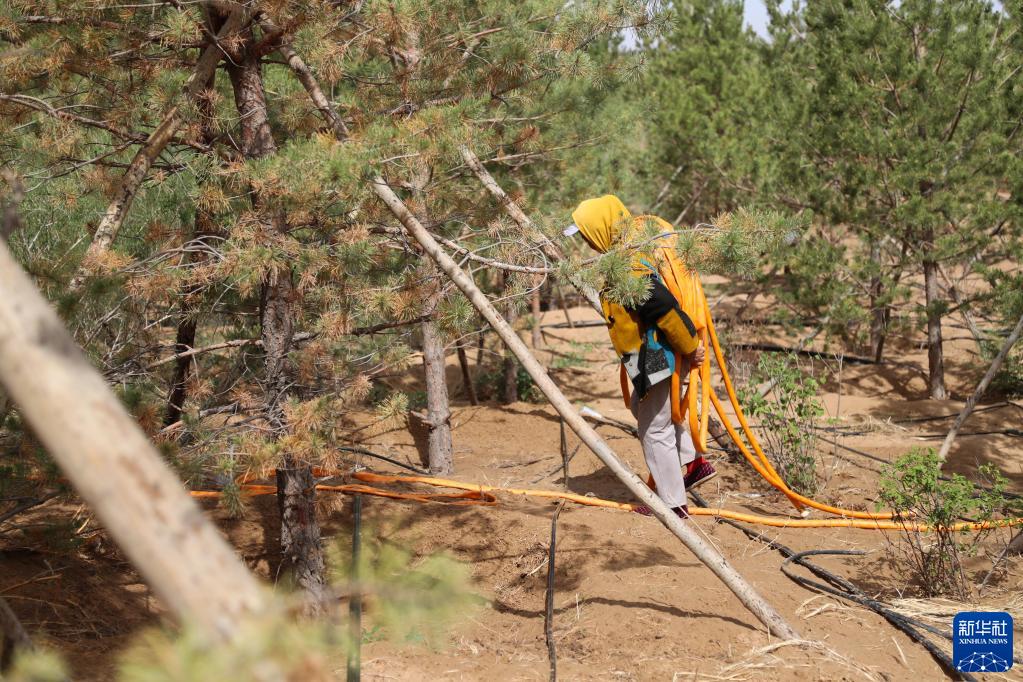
(369, 453)
(840, 587)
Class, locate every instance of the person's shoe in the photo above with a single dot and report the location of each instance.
(681, 512)
(643, 510)
(699, 472)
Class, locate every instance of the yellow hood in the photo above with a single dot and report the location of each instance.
(602, 220)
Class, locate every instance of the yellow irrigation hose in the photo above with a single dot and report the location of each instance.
(777, 522)
(695, 300)
(479, 494)
(774, 478)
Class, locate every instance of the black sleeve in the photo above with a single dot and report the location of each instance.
(658, 304)
(662, 311)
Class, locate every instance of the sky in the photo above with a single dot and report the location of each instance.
(755, 15)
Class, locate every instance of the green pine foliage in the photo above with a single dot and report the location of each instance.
(406, 599)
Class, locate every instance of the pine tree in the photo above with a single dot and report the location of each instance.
(708, 96)
(241, 267)
(907, 140)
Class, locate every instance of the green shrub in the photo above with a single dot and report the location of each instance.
(913, 487)
(786, 419)
(490, 385)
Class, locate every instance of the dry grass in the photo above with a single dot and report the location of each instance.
(939, 611)
(756, 663)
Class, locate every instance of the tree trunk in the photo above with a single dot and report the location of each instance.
(467, 382)
(438, 411)
(438, 404)
(301, 550)
(878, 312)
(534, 305)
(681, 529)
(202, 225)
(5, 406)
(935, 354)
(113, 466)
(511, 367)
(277, 320)
(183, 341)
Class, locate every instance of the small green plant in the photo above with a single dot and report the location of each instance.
(491, 385)
(914, 488)
(787, 417)
(575, 357)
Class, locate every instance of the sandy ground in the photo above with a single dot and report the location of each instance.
(631, 602)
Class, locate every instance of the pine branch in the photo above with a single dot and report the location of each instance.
(118, 209)
(490, 262)
(549, 248)
(309, 82)
(297, 338)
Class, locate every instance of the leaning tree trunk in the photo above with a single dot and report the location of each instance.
(301, 548)
(989, 376)
(104, 454)
(935, 353)
(683, 530)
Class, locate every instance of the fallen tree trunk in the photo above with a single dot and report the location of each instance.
(114, 467)
(981, 388)
(681, 529)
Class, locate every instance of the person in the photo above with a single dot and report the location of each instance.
(649, 338)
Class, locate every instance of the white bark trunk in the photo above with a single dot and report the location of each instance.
(971, 403)
(113, 466)
(681, 529)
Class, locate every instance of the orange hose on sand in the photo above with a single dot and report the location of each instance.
(777, 522)
(475, 493)
(767, 471)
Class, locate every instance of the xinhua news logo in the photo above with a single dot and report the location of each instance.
(982, 641)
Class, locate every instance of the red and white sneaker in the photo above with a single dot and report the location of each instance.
(699, 471)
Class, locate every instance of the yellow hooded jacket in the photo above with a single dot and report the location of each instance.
(644, 336)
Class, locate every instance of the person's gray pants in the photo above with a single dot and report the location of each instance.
(667, 447)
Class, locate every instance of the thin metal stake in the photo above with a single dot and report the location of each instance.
(355, 605)
(548, 616)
